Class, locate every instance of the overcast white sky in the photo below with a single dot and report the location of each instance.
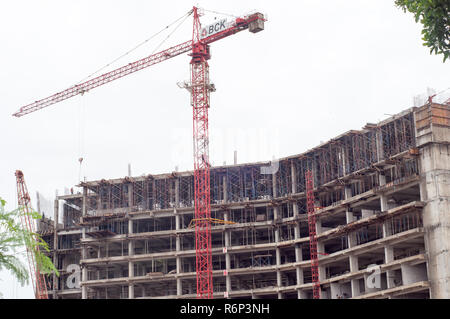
(320, 68)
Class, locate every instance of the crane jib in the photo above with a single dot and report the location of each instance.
(214, 32)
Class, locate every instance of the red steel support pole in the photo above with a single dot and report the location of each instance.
(200, 103)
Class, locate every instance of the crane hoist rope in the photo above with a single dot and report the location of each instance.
(81, 133)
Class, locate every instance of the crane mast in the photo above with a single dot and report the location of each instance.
(200, 89)
(38, 279)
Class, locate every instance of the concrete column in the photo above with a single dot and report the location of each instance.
(84, 204)
(279, 278)
(354, 283)
(383, 198)
(131, 291)
(227, 235)
(178, 258)
(83, 249)
(434, 167)
(298, 253)
(344, 161)
(55, 246)
(83, 267)
(299, 270)
(319, 229)
(389, 257)
(228, 267)
(296, 227)
(179, 265)
(348, 192)
(379, 144)
(322, 273)
(320, 250)
(227, 254)
(351, 237)
(384, 205)
(354, 266)
(130, 196)
(382, 178)
(275, 208)
(130, 263)
(99, 202)
(224, 186)
(277, 233)
(293, 177)
(349, 217)
(278, 261)
(177, 193)
(274, 185)
(226, 217)
(294, 204)
(320, 247)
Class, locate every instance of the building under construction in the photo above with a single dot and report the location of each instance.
(382, 223)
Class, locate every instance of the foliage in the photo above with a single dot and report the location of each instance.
(13, 238)
(434, 15)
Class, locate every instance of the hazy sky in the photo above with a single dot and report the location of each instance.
(319, 69)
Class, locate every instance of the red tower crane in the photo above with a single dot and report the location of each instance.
(37, 278)
(312, 233)
(200, 88)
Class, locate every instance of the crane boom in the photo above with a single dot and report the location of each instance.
(105, 78)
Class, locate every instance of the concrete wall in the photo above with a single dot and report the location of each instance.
(433, 142)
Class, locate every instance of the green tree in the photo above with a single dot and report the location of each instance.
(434, 15)
(14, 239)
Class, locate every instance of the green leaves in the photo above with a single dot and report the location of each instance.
(14, 237)
(434, 15)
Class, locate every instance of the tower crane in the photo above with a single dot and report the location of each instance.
(200, 88)
(38, 279)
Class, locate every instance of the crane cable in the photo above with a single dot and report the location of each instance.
(168, 36)
(139, 45)
(81, 131)
(82, 106)
(221, 13)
